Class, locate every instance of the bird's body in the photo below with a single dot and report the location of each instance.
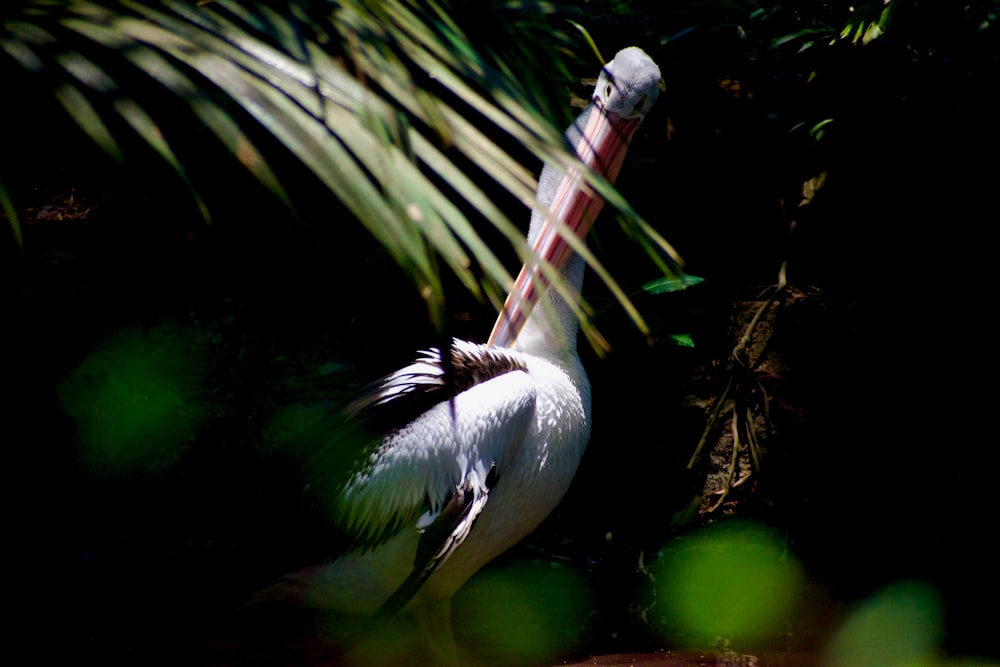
(501, 428)
(531, 423)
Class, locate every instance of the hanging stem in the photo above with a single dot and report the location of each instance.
(719, 402)
(731, 474)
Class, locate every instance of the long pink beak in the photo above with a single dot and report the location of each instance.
(602, 148)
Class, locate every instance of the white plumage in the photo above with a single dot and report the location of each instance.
(472, 476)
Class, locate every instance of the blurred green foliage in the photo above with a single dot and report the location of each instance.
(525, 612)
(734, 580)
(139, 400)
(900, 625)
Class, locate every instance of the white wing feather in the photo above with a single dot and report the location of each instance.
(422, 463)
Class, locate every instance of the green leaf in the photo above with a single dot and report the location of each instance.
(681, 340)
(8, 209)
(668, 284)
(377, 98)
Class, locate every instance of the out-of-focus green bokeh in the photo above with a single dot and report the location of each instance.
(734, 580)
(524, 612)
(900, 625)
(138, 400)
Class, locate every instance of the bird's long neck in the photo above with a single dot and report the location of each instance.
(552, 325)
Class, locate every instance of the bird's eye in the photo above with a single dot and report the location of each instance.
(607, 90)
(639, 106)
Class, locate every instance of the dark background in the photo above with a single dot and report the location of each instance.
(884, 457)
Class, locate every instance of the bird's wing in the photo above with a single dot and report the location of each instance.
(437, 467)
(441, 534)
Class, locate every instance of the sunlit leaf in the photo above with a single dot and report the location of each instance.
(83, 112)
(677, 284)
(819, 129)
(681, 340)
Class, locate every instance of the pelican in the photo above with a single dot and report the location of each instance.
(499, 429)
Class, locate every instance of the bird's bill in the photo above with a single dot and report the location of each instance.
(602, 149)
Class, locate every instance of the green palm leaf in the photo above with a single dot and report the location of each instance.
(370, 96)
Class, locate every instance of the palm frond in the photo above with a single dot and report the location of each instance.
(376, 98)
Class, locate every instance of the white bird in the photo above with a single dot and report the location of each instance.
(498, 429)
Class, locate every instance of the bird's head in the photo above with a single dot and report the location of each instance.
(628, 85)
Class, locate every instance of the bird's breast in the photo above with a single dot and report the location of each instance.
(534, 478)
